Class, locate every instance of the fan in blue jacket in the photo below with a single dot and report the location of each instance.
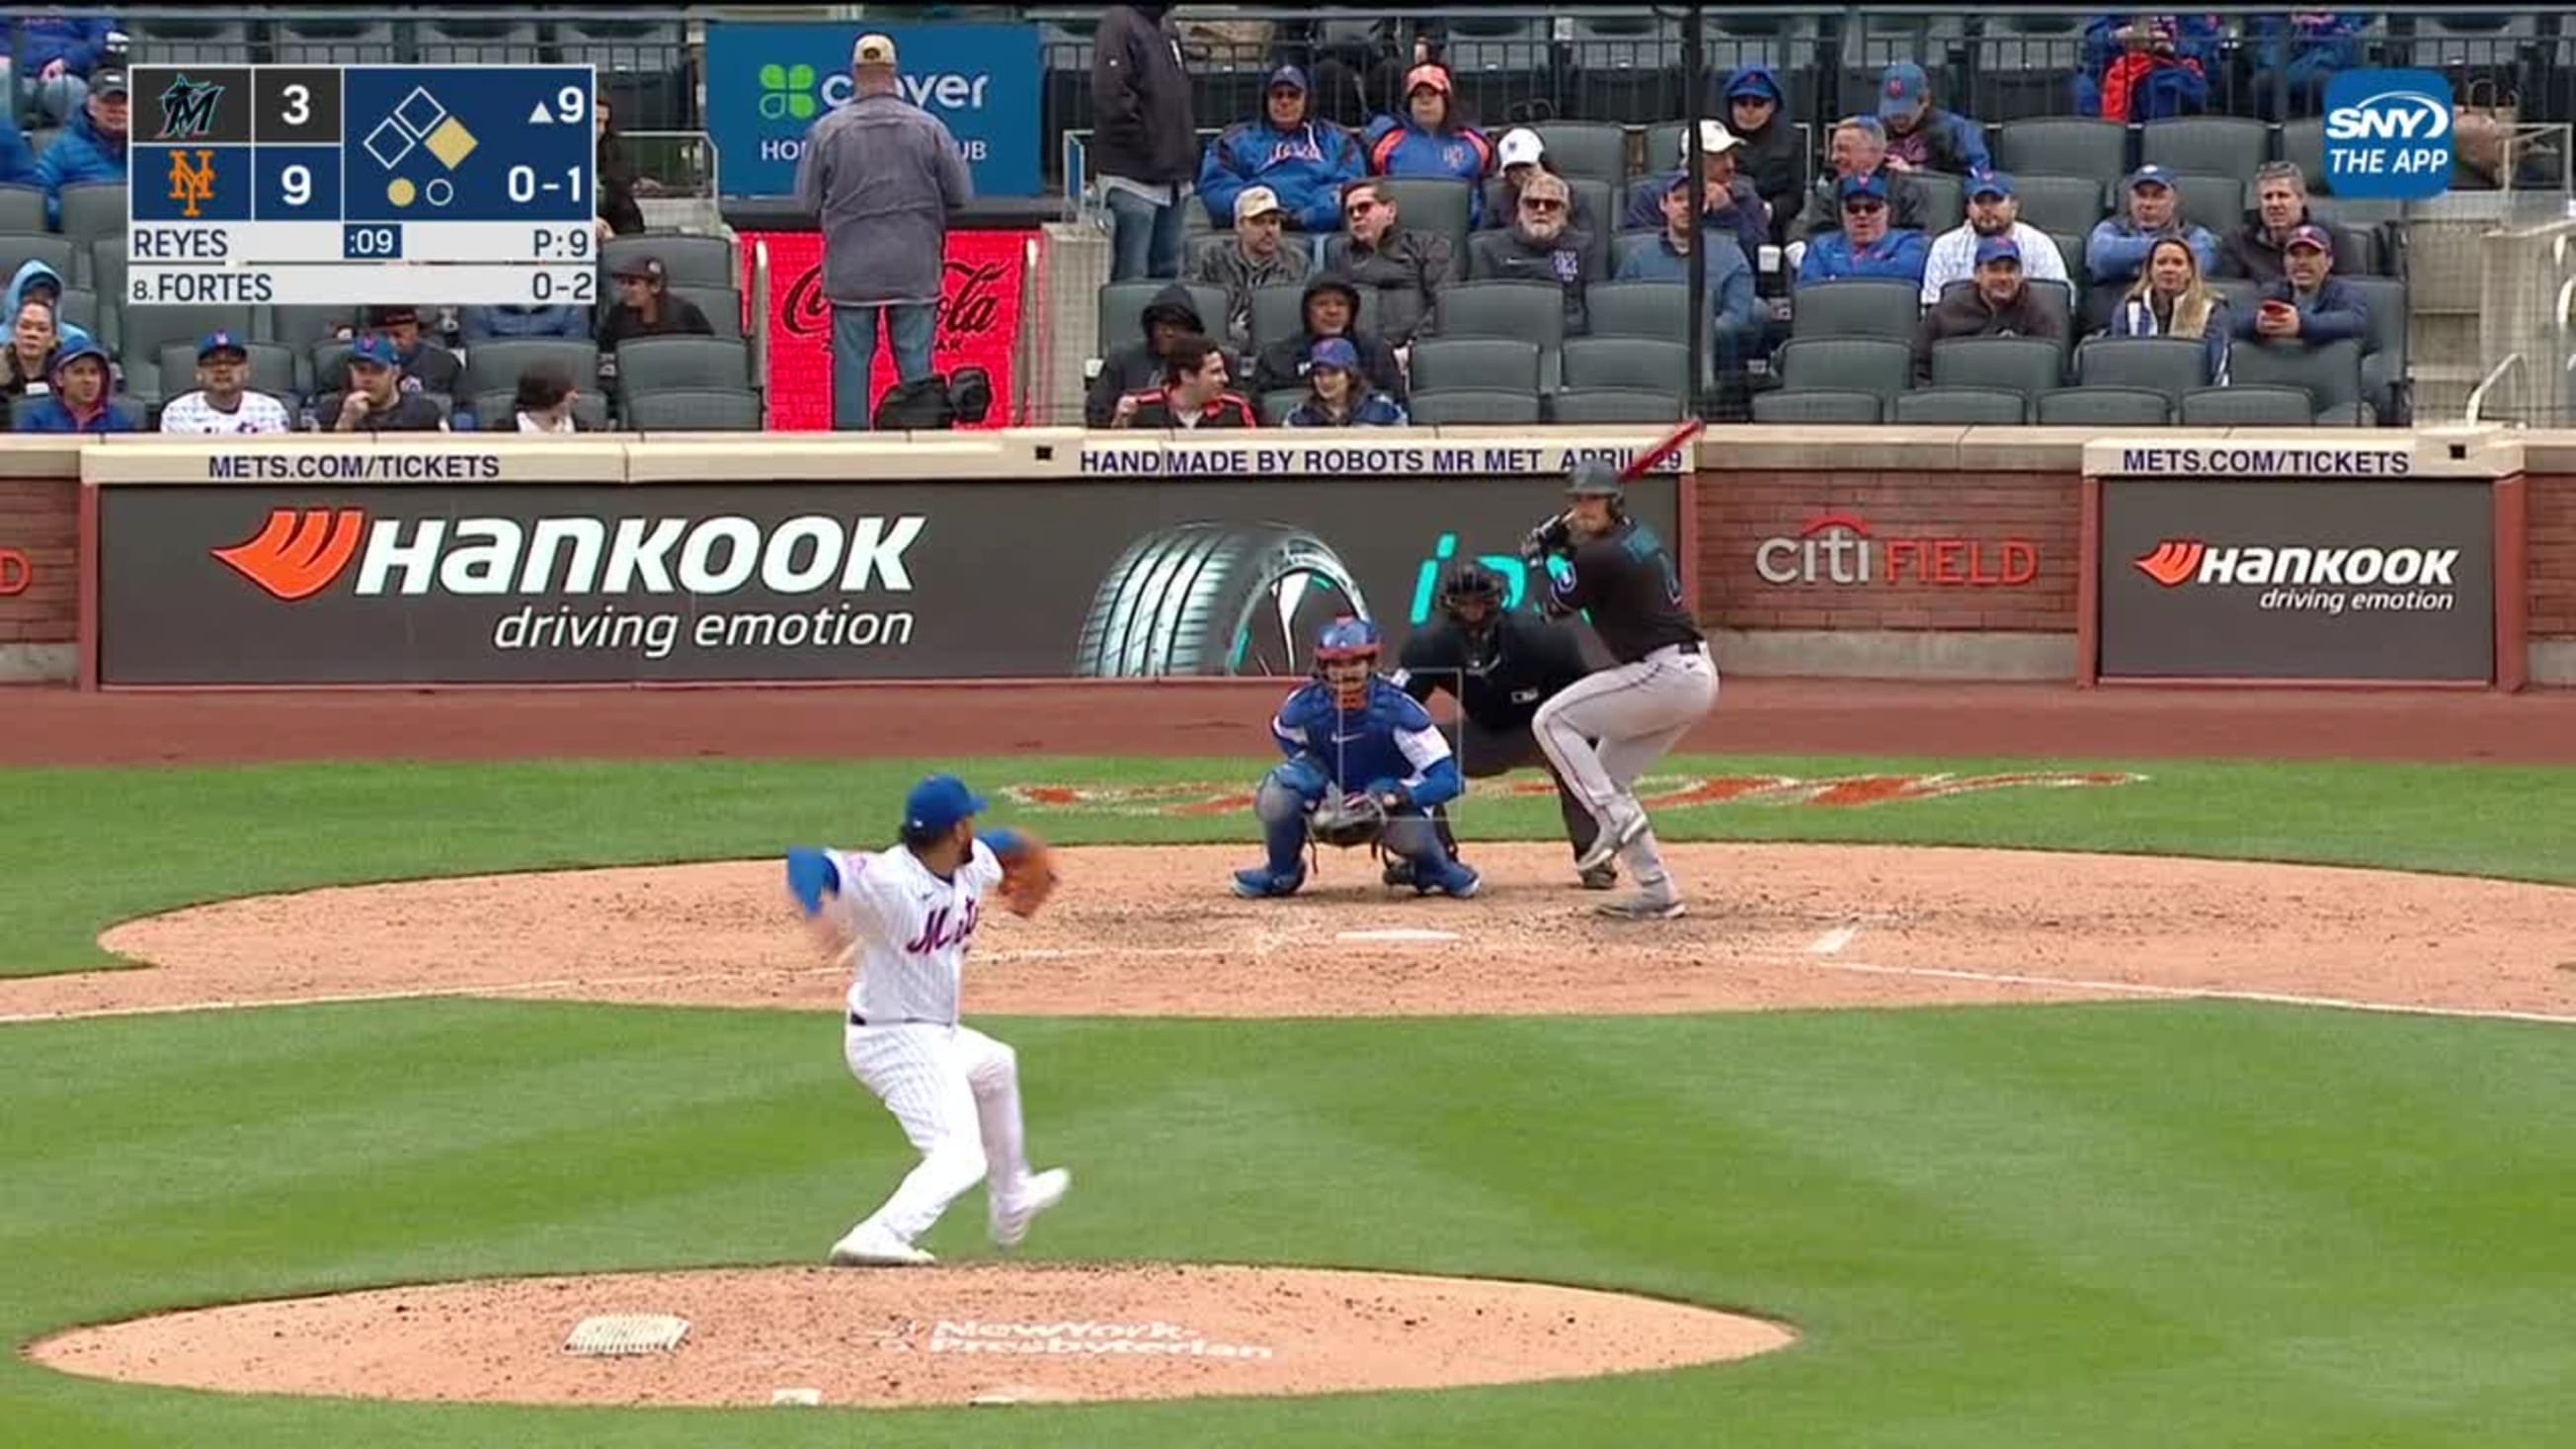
(79, 402)
(91, 147)
(1865, 246)
(61, 52)
(1428, 141)
(17, 158)
(2308, 303)
(1735, 324)
(2120, 242)
(1306, 162)
(40, 282)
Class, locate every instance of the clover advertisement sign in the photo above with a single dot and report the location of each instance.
(768, 84)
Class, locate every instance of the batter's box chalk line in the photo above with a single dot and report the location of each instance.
(618, 1335)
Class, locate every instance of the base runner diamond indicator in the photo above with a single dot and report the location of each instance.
(451, 143)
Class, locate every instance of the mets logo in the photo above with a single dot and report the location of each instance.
(299, 552)
(192, 184)
(188, 110)
(1568, 265)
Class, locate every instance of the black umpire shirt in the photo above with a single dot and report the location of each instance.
(1532, 659)
(1629, 583)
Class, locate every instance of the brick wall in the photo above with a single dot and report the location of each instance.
(1981, 552)
(39, 561)
(2553, 555)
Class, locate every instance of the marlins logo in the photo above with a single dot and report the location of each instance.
(192, 184)
(188, 109)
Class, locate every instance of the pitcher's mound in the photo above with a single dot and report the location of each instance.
(886, 1337)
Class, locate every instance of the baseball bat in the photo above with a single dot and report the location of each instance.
(1689, 429)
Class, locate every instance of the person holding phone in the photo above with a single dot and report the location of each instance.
(2309, 305)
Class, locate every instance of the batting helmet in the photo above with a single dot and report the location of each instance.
(1594, 478)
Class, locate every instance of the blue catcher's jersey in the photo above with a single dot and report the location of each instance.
(1391, 738)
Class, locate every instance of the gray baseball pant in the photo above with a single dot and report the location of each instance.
(1638, 712)
(1483, 753)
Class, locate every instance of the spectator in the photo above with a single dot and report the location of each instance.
(62, 52)
(1993, 211)
(619, 213)
(1521, 154)
(1859, 148)
(2480, 145)
(223, 401)
(2295, 54)
(1539, 247)
(1255, 258)
(1301, 161)
(545, 399)
(510, 320)
(1139, 366)
(17, 158)
(2120, 242)
(2170, 299)
(1922, 136)
(646, 308)
(1774, 155)
(376, 400)
(1145, 145)
(1999, 305)
(1732, 202)
(882, 174)
(91, 147)
(1194, 393)
(425, 365)
(1407, 269)
(2253, 249)
(1338, 394)
(2308, 303)
(1430, 141)
(36, 282)
(1735, 318)
(1864, 245)
(2146, 67)
(32, 345)
(79, 402)
(1331, 309)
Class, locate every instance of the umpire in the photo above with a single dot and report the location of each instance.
(1500, 667)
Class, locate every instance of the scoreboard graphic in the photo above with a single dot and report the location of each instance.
(361, 184)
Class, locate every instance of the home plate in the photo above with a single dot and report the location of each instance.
(1396, 933)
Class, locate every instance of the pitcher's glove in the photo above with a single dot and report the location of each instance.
(1347, 820)
(1028, 876)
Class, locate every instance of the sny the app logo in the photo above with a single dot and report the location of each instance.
(787, 91)
(2388, 134)
(188, 110)
(192, 184)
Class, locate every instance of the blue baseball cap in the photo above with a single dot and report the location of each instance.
(1902, 88)
(1756, 82)
(1871, 184)
(1989, 183)
(2150, 175)
(375, 347)
(938, 803)
(1335, 352)
(1998, 248)
(1289, 76)
(221, 341)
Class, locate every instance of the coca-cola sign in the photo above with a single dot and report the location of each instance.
(979, 316)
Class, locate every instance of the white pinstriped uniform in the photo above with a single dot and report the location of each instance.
(954, 1090)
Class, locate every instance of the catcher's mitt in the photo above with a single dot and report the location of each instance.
(1028, 876)
(1347, 820)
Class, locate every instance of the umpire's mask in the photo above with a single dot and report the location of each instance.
(1473, 599)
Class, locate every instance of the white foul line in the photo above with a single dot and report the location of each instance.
(2204, 993)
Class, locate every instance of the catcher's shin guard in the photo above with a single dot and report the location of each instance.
(1283, 826)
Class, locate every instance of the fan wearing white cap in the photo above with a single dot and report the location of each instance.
(1730, 200)
(1521, 154)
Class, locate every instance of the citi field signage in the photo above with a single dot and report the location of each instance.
(1843, 550)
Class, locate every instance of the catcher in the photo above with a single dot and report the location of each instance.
(909, 912)
(1500, 666)
(1365, 767)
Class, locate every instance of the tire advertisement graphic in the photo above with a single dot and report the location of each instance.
(578, 583)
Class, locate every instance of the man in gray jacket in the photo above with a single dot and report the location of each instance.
(882, 174)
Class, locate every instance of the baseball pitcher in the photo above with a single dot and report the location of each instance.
(1365, 767)
(909, 912)
(1500, 666)
(1614, 567)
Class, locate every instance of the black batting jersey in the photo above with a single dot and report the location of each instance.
(1531, 659)
(1627, 580)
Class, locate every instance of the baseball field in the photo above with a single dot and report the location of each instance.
(2046, 1071)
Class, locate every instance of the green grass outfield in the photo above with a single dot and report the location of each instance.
(2133, 1224)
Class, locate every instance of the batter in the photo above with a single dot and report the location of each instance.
(910, 912)
(1616, 570)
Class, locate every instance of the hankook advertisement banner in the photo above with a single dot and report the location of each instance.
(568, 583)
(2321, 579)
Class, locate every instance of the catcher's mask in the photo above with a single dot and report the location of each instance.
(1345, 656)
(1474, 598)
